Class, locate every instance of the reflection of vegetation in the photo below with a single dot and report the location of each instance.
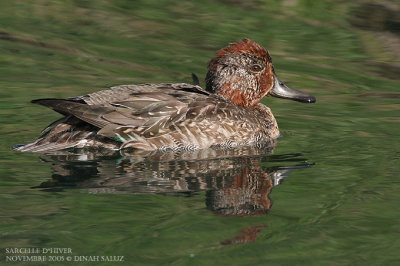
(105, 43)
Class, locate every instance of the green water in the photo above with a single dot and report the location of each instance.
(339, 158)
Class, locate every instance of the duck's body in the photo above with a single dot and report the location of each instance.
(174, 116)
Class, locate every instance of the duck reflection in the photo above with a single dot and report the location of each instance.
(237, 181)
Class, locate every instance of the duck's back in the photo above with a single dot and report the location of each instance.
(152, 116)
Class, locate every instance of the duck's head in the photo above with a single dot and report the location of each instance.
(243, 73)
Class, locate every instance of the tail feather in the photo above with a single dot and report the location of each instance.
(45, 147)
(68, 133)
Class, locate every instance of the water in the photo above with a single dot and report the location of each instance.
(326, 194)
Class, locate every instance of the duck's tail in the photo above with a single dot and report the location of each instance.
(67, 132)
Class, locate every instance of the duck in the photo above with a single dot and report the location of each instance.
(175, 116)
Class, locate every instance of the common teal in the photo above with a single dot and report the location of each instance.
(179, 116)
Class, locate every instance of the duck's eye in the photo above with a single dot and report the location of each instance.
(256, 68)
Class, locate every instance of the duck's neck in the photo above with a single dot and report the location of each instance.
(247, 98)
(236, 89)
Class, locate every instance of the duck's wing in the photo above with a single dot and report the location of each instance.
(148, 110)
(123, 92)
